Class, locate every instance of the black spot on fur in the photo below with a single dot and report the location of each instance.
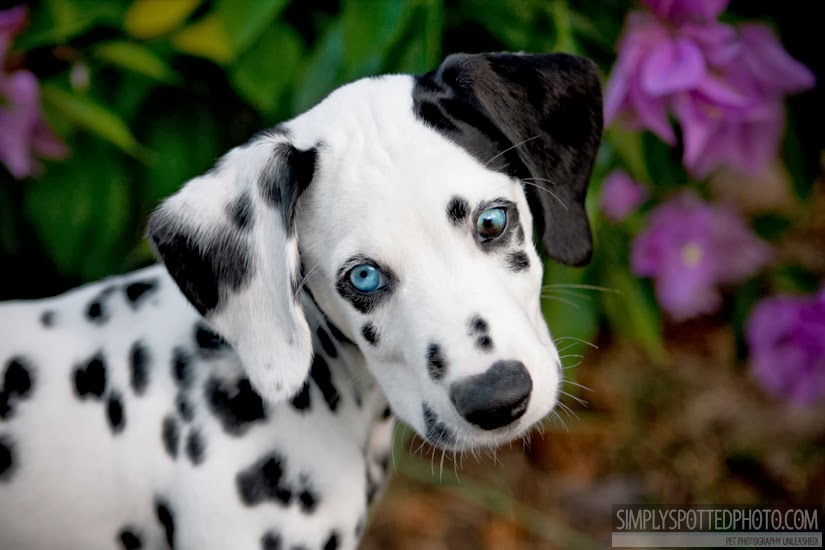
(302, 402)
(386, 413)
(337, 334)
(240, 212)
(436, 362)
(307, 497)
(484, 343)
(320, 374)
(332, 542)
(139, 362)
(326, 343)
(370, 333)
(359, 527)
(264, 480)
(47, 318)
(129, 539)
(236, 405)
(271, 541)
(204, 270)
(114, 412)
(6, 458)
(181, 369)
(167, 521)
(518, 261)
(185, 408)
(520, 234)
(477, 325)
(208, 340)
(90, 377)
(195, 447)
(17, 384)
(438, 432)
(138, 291)
(285, 178)
(97, 311)
(170, 433)
(457, 210)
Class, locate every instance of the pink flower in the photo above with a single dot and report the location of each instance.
(620, 196)
(690, 248)
(724, 85)
(23, 131)
(786, 337)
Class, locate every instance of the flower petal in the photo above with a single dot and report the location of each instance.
(676, 65)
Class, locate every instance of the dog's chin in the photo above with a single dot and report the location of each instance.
(453, 439)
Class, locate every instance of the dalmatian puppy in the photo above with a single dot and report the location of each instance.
(372, 257)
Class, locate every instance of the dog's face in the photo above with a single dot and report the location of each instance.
(406, 206)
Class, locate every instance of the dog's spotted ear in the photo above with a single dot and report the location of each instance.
(534, 117)
(228, 240)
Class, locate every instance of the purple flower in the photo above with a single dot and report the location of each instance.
(23, 131)
(681, 10)
(620, 196)
(786, 337)
(724, 85)
(690, 248)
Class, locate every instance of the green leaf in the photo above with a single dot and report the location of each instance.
(323, 70)
(80, 214)
(137, 58)
(205, 38)
(263, 72)
(94, 117)
(419, 49)
(153, 18)
(370, 27)
(58, 21)
(245, 20)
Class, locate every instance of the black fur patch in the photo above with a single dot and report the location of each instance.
(307, 496)
(477, 326)
(140, 359)
(129, 538)
(332, 541)
(369, 333)
(139, 291)
(170, 433)
(484, 343)
(386, 413)
(518, 261)
(47, 318)
(436, 362)
(204, 270)
(7, 458)
(264, 480)
(320, 374)
(17, 384)
(457, 210)
(90, 377)
(337, 334)
(167, 520)
(236, 405)
(185, 408)
(302, 402)
(114, 412)
(181, 369)
(241, 213)
(96, 311)
(438, 432)
(208, 340)
(285, 178)
(271, 541)
(195, 447)
(326, 343)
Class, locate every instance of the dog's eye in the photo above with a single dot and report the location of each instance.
(491, 223)
(366, 278)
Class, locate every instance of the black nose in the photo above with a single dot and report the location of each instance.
(494, 398)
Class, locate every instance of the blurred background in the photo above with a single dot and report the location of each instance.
(693, 344)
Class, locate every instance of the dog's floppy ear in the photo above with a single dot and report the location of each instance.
(228, 240)
(534, 117)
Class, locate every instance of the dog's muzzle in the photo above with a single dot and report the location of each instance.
(494, 398)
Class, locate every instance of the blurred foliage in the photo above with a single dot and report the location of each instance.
(149, 93)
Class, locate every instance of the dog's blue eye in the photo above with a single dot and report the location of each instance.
(491, 223)
(366, 278)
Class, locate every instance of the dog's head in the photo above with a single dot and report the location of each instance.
(407, 206)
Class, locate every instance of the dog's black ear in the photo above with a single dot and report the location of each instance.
(228, 240)
(535, 117)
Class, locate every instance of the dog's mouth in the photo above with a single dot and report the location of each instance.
(443, 435)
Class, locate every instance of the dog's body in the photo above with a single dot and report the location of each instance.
(405, 273)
